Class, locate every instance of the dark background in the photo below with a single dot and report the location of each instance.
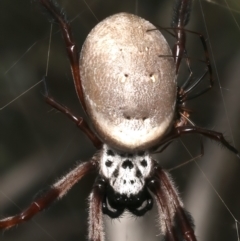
(38, 145)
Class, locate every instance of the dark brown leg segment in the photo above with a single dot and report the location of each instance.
(170, 209)
(70, 43)
(181, 16)
(96, 227)
(216, 136)
(165, 220)
(57, 191)
(208, 71)
(79, 121)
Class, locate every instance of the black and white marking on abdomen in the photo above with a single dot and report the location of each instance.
(126, 172)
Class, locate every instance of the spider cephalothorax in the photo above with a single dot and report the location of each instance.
(125, 178)
(125, 78)
(126, 172)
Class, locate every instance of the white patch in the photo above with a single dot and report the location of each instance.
(126, 172)
(134, 132)
(153, 78)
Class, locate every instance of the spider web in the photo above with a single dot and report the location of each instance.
(38, 145)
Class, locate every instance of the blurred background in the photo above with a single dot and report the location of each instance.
(38, 145)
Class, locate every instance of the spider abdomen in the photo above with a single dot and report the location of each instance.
(129, 82)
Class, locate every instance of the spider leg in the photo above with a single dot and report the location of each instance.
(71, 47)
(181, 16)
(190, 83)
(56, 191)
(180, 52)
(80, 122)
(208, 70)
(170, 208)
(164, 213)
(95, 220)
(217, 136)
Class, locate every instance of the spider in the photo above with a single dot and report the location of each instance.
(136, 110)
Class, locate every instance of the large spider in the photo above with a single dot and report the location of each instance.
(131, 126)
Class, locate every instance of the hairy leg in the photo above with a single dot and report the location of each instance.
(56, 192)
(174, 221)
